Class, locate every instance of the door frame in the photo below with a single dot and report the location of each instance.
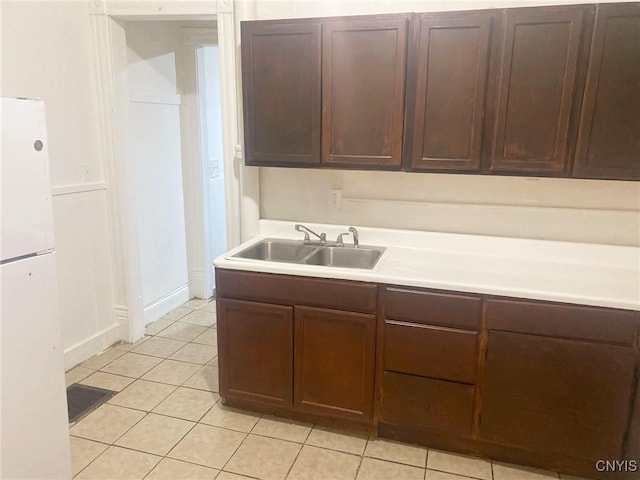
(196, 191)
(109, 43)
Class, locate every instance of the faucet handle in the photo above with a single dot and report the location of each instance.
(339, 241)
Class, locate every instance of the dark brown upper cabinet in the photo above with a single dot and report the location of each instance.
(544, 91)
(281, 88)
(609, 135)
(451, 58)
(363, 81)
(535, 83)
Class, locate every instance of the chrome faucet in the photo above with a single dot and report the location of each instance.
(354, 232)
(307, 231)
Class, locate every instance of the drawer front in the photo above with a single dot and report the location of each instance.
(449, 310)
(427, 404)
(430, 351)
(567, 321)
(290, 290)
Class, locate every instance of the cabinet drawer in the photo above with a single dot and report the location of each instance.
(290, 290)
(450, 310)
(424, 403)
(568, 321)
(430, 351)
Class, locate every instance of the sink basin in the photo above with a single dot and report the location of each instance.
(292, 251)
(345, 257)
(278, 251)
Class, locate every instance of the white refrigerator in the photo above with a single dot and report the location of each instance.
(34, 439)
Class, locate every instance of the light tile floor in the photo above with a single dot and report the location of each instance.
(166, 422)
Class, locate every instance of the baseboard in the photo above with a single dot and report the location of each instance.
(174, 299)
(197, 283)
(122, 319)
(89, 347)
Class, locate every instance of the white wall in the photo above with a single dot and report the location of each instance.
(560, 209)
(153, 147)
(47, 52)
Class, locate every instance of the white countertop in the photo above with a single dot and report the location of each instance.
(580, 273)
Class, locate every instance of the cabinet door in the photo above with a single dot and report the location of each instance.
(255, 343)
(425, 403)
(534, 88)
(281, 89)
(363, 73)
(334, 363)
(609, 136)
(450, 95)
(554, 395)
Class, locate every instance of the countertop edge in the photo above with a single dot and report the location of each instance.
(383, 272)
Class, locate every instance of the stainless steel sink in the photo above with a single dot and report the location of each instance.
(291, 251)
(278, 251)
(363, 257)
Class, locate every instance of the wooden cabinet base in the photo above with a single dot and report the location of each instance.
(549, 385)
(352, 426)
(501, 453)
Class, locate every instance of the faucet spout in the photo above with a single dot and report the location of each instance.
(356, 241)
(307, 231)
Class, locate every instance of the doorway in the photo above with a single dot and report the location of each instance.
(173, 145)
(211, 151)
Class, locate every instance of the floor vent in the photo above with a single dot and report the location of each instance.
(82, 399)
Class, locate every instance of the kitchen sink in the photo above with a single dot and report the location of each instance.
(361, 257)
(292, 251)
(278, 251)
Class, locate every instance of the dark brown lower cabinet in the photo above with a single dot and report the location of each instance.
(255, 343)
(279, 355)
(550, 385)
(334, 363)
(557, 395)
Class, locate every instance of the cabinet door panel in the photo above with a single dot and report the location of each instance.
(609, 136)
(632, 448)
(334, 363)
(558, 396)
(536, 87)
(255, 343)
(425, 403)
(281, 88)
(363, 73)
(450, 95)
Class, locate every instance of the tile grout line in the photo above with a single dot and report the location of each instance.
(246, 435)
(426, 462)
(295, 459)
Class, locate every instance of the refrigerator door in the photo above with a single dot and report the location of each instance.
(34, 423)
(27, 220)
